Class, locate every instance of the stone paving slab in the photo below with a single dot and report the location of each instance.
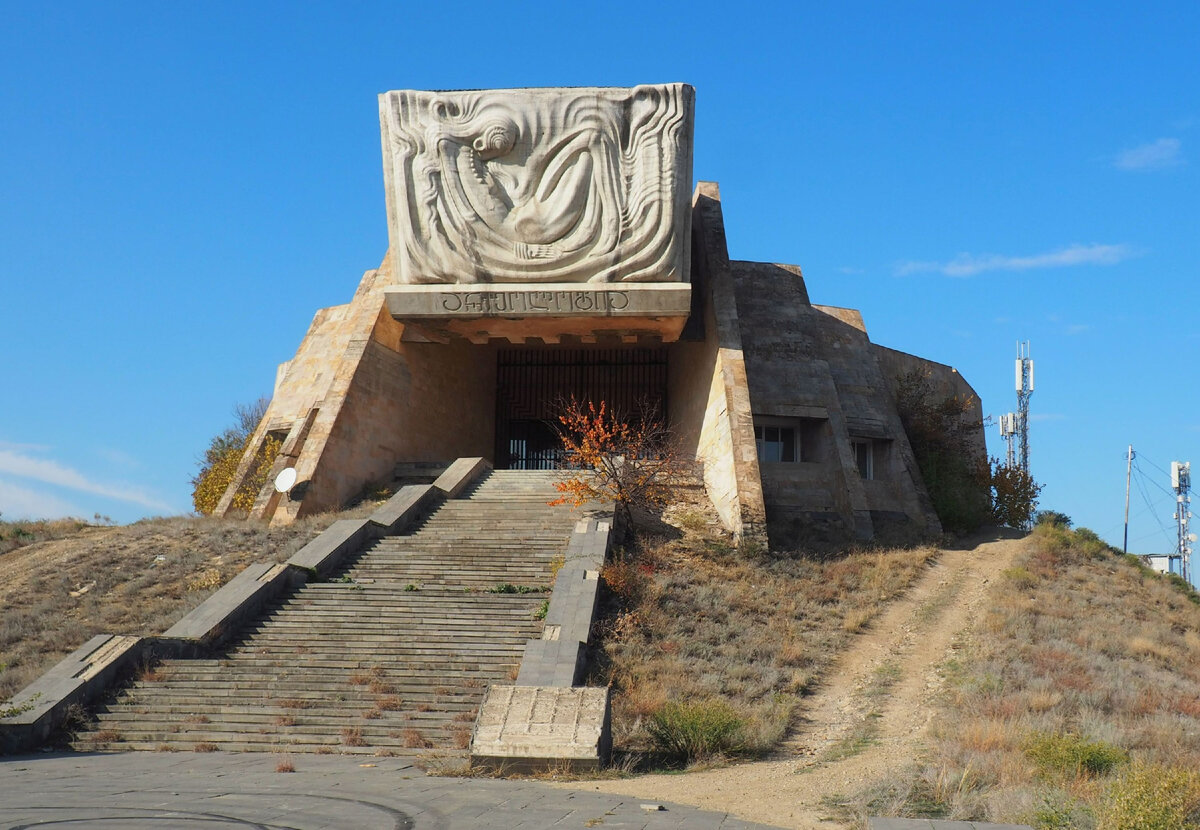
(98, 791)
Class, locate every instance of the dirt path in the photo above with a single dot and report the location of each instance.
(869, 717)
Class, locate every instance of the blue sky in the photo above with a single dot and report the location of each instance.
(184, 184)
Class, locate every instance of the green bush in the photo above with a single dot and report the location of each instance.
(690, 732)
(1153, 797)
(1068, 754)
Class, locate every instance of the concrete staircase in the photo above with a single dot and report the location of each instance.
(391, 657)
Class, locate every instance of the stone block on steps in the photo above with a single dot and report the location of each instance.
(460, 475)
(526, 728)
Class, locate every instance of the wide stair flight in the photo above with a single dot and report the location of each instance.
(392, 656)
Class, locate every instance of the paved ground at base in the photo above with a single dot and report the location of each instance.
(227, 790)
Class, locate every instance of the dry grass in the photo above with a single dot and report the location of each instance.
(293, 703)
(1083, 659)
(285, 764)
(693, 619)
(389, 703)
(413, 739)
(352, 736)
(66, 581)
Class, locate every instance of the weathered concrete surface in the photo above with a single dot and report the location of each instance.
(520, 313)
(460, 475)
(405, 506)
(188, 790)
(80, 676)
(712, 408)
(559, 657)
(237, 602)
(324, 554)
(535, 727)
(557, 185)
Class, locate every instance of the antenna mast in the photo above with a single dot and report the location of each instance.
(1181, 483)
(1024, 392)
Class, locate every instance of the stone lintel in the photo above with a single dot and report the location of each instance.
(529, 727)
(478, 312)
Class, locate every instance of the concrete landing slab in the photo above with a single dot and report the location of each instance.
(215, 790)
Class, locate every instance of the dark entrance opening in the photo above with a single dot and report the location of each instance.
(532, 385)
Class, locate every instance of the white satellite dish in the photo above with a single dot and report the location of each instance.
(285, 480)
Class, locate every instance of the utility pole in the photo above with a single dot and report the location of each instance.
(1181, 483)
(1128, 475)
(1024, 392)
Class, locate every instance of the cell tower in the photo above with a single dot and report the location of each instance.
(1014, 426)
(1181, 483)
(1008, 431)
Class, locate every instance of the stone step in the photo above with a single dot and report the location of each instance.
(335, 650)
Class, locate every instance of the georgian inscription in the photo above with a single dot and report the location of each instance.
(538, 185)
(499, 303)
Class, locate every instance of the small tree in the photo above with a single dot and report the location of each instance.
(1014, 496)
(224, 454)
(1053, 517)
(629, 461)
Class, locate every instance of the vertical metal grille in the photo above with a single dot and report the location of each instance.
(532, 385)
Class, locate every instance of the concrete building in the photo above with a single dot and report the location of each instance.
(546, 243)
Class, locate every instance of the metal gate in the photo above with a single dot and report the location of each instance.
(532, 385)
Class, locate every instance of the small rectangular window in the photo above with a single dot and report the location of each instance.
(864, 458)
(775, 443)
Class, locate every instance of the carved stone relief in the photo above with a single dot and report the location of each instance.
(538, 185)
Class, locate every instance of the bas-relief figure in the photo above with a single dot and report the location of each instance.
(538, 185)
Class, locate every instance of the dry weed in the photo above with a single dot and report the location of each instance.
(352, 736)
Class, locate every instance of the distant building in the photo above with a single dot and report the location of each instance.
(547, 243)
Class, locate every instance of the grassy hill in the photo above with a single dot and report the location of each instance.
(1076, 702)
(64, 581)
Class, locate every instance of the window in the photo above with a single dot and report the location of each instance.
(864, 457)
(775, 443)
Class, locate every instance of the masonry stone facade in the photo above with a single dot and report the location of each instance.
(549, 242)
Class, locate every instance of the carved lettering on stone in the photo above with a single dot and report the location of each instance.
(539, 185)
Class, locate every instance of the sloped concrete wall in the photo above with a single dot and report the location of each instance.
(815, 368)
(709, 397)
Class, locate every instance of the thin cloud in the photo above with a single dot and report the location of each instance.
(1157, 155)
(15, 447)
(51, 472)
(968, 265)
(22, 503)
(1078, 328)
